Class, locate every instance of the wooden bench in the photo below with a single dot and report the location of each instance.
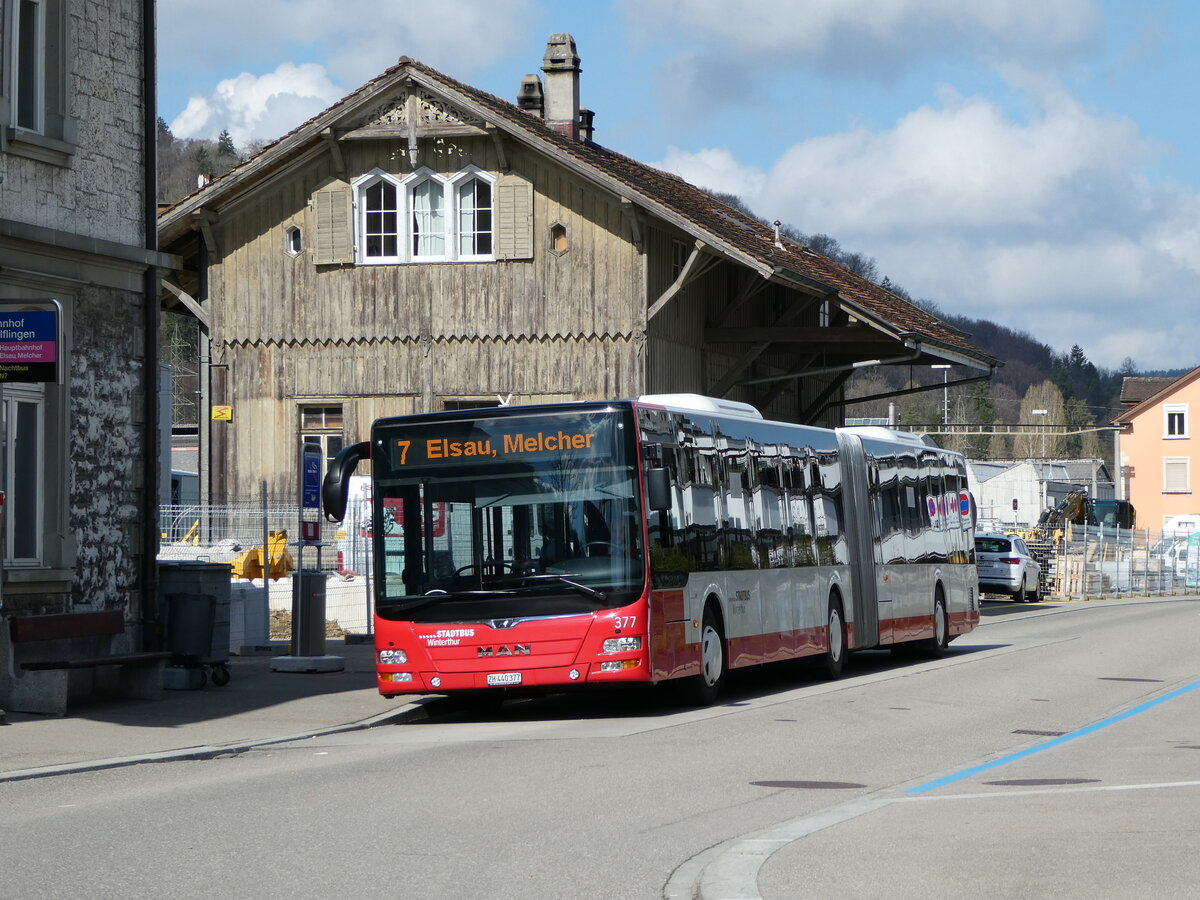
(45, 650)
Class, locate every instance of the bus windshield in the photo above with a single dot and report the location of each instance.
(507, 516)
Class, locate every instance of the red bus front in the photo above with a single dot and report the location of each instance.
(509, 550)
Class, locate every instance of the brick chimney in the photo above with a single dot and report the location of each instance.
(561, 68)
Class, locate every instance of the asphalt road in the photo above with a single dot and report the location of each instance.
(1054, 752)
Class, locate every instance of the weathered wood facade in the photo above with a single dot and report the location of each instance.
(602, 277)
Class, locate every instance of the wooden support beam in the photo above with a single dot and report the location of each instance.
(189, 302)
(697, 264)
(335, 150)
(629, 212)
(205, 220)
(753, 286)
(780, 334)
(757, 349)
(499, 145)
(809, 414)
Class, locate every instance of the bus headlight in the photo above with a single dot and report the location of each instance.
(622, 644)
(392, 657)
(396, 676)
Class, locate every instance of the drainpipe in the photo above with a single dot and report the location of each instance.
(151, 628)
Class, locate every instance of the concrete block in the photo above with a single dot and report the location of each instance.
(183, 678)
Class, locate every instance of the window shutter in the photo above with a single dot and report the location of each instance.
(335, 237)
(514, 218)
(1175, 475)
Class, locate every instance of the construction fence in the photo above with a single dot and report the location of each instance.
(237, 533)
(1078, 562)
(1081, 562)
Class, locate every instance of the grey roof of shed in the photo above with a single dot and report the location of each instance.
(723, 228)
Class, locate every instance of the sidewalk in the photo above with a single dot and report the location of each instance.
(257, 705)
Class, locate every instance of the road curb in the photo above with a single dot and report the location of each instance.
(411, 710)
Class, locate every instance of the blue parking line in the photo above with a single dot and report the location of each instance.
(1029, 751)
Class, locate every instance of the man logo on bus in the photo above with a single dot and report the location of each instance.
(514, 650)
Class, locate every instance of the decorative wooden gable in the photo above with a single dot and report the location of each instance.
(413, 114)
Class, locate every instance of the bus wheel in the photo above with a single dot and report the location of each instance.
(702, 689)
(935, 647)
(834, 661)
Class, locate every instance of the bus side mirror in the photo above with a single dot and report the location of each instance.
(335, 489)
(658, 488)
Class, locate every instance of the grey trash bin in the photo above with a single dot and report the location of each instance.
(194, 600)
(308, 625)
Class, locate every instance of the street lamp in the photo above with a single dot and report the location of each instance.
(945, 391)
(1043, 413)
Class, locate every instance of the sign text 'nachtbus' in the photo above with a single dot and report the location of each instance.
(436, 449)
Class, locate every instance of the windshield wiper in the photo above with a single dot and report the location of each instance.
(563, 579)
(442, 596)
(451, 596)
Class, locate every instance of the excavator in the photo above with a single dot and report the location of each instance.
(1079, 509)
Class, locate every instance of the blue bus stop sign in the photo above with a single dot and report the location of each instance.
(310, 492)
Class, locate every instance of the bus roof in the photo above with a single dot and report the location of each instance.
(700, 403)
(880, 433)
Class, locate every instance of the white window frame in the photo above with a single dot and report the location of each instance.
(1175, 409)
(447, 189)
(293, 240)
(15, 395)
(1169, 484)
(361, 186)
(414, 181)
(471, 173)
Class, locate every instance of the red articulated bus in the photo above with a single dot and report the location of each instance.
(662, 539)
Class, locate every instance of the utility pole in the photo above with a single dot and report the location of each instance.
(945, 391)
(1043, 413)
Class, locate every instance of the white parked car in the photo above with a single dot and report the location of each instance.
(1006, 566)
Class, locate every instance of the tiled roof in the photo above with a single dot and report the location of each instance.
(1135, 389)
(723, 224)
(1139, 394)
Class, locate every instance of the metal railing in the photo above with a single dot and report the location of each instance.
(236, 532)
(1082, 562)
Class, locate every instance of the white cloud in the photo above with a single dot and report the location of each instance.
(1043, 226)
(259, 106)
(715, 170)
(355, 39)
(871, 38)
(964, 166)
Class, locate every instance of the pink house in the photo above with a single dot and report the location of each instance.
(1159, 447)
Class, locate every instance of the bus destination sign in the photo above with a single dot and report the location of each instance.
(440, 449)
(29, 346)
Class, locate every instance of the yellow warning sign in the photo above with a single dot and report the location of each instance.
(222, 413)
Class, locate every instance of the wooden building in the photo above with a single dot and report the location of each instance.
(422, 245)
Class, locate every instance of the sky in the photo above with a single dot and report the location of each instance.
(1035, 163)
